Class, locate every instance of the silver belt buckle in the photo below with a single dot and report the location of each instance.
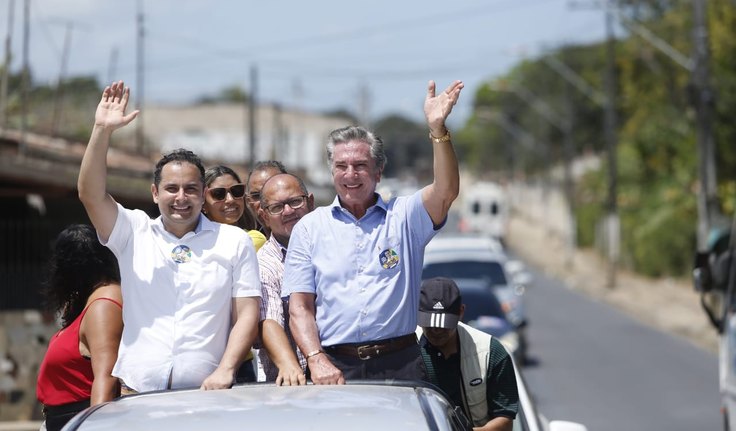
(363, 354)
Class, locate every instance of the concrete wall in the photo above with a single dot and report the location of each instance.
(24, 337)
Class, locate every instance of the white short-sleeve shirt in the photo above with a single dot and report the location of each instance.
(177, 297)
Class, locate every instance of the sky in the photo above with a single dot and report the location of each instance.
(372, 58)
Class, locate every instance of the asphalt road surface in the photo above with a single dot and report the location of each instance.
(594, 365)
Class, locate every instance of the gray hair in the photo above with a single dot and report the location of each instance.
(356, 133)
(265, 165)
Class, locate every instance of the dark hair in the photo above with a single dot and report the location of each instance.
(79, 264)
(300, 183)
(265, 165)
(178, 155)
(215, 172)
(356, 133)
(246, 221)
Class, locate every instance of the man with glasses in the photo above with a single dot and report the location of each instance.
(353, 270)
(190, 286)
(284, 201)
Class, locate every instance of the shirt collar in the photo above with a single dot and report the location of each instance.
(277, 245)
(380, 203)
(203, 224)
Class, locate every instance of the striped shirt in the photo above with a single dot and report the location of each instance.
(271, 267)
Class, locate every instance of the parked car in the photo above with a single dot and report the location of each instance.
(357, 406)
(486, 265)
(483, 311)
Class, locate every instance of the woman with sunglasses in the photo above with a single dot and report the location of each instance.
(224, 203)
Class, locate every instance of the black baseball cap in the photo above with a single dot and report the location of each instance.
(439, 303)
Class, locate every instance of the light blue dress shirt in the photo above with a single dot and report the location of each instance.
(365, 273)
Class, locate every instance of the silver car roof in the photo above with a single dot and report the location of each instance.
(454, 255)
(267, 407)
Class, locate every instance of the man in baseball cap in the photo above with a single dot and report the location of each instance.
(469, 365)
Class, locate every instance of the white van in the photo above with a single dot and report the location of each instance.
(485, 209)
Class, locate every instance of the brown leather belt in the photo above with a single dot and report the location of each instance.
(373, 349)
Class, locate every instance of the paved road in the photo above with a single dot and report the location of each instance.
(599, 367)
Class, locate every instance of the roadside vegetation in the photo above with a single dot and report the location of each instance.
(656, 152)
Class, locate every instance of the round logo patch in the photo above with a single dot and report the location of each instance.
(389, 258)
(181, 254)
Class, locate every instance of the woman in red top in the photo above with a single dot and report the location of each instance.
(84, 289)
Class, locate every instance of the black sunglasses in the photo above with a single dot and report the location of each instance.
(237, 191)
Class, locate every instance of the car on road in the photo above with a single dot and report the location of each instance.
(483, 311)
(459, 241)
(357, 406)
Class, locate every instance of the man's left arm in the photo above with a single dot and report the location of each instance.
(242, 336)
(501, 390)
(438, 196)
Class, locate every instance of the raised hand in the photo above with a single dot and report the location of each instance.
(110, 112)
(438, 107)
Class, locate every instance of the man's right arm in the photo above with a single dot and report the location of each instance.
(304, 330)
(92, 182)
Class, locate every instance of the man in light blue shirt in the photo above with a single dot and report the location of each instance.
(353, 270)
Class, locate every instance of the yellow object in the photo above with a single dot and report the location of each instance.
(258, 238)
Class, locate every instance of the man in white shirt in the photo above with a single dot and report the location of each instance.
(186, 281)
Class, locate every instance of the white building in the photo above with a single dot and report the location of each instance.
(220, 132)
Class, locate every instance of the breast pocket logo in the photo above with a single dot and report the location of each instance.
(389, 258)
(181, 254)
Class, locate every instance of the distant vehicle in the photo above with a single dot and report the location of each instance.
(485, 209)
(488, 266)
(463, 241)
(714, 276)
(483, 311)
(357, 406)
(474, 242)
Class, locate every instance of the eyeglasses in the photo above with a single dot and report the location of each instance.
(254, 196)
(237, 191)
(293, 203)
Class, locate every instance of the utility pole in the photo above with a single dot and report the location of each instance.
(25, 77)
(610, 125)
(364, 102)
(140, 67)
(704, 101)
(62, 75)
(568, 153)
(6, 67)
(252, 115)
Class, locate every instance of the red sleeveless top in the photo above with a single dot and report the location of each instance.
(65, 376)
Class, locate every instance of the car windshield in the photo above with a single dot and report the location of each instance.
(480, 302)
(492, 272)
